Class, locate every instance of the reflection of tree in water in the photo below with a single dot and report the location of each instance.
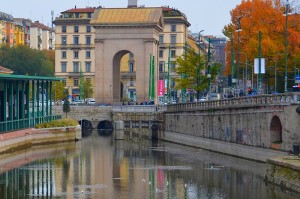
(65, 173)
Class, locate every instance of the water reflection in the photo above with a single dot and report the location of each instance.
(100, 167)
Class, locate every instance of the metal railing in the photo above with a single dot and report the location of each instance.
(138, 108)
(25, 123)
(248, 101)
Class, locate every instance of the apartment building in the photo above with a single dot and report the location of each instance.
(75, 48)
(41, 37)
(171, 44)
(7, 30)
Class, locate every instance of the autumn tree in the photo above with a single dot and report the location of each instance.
(191, 68)
(267, 17)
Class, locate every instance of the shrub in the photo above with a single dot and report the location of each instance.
(58, 123)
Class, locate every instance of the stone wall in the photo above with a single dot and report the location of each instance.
(241, 125)
(28, 137)
(284, 171)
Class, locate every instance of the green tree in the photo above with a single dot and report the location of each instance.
(191, 67)
(26, 61)
(87, 89)
(66, 107)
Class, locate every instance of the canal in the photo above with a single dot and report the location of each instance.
(99, 167)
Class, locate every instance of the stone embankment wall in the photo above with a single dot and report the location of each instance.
(284, 171)
(28, 137)
(247, 127)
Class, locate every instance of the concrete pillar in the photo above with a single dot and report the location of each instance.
(119, 130)
(130, 130)
(140, 129)
(150, 132)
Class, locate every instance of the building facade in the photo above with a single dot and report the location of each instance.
(75, 48)
(171, 44)
(41, 36)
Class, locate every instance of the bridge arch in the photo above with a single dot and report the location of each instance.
(85, 124)
(105, 127)
(275, 130)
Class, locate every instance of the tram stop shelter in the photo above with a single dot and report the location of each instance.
(25, 101)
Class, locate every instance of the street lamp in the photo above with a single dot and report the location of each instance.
(199, 66)
(286, 46)
(245, 82)
(238, 30)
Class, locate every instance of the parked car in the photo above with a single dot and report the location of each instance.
(90, 101)
(213, 96)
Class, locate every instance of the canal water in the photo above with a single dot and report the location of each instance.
(99, 167)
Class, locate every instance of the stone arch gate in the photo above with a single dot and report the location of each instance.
(119, 31)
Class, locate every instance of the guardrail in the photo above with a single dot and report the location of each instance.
(248, 101)
(138, 108)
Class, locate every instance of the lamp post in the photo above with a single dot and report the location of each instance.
(208, 68)
(238, 30)
(199, 66)
(286, 46)
(245, 82)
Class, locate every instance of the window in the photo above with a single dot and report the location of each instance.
(131, 67)
(63, 54)
(88, 54)
(88, 67)
(173, 28)
(173, 53)
(64, 81)
(64, 29)
(161, 66)
(75, 81)
(88, 28)
(161, 39)
(161, 53)
(131, 82)
(173, 66)
(63, 67)
(76, 67)
(63, 40)
(88, 40)
(76, 15)
(76, 29)
(76, 54)
(89, 15)
(173, 39)
(76, 40)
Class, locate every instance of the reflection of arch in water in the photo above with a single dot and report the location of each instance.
(105, 127)
(275, 130)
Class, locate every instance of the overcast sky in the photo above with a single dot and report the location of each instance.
(207, 15)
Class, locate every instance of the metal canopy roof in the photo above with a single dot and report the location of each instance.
(26, 77)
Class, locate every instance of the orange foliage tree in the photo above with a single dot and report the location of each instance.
(267, 17)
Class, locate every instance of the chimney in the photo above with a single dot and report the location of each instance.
(132, 3)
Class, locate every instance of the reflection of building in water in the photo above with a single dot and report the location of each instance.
(35, 179)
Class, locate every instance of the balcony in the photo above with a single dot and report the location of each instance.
(74, 46)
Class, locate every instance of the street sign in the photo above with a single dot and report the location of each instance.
(297, 80)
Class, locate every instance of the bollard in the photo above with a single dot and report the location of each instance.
(119, 130)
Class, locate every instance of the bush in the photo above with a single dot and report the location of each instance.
(58, 123)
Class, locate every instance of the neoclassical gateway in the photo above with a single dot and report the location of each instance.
(120, 31)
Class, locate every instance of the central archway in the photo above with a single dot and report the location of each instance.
(116, 36)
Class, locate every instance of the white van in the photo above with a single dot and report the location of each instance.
(90, 101)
